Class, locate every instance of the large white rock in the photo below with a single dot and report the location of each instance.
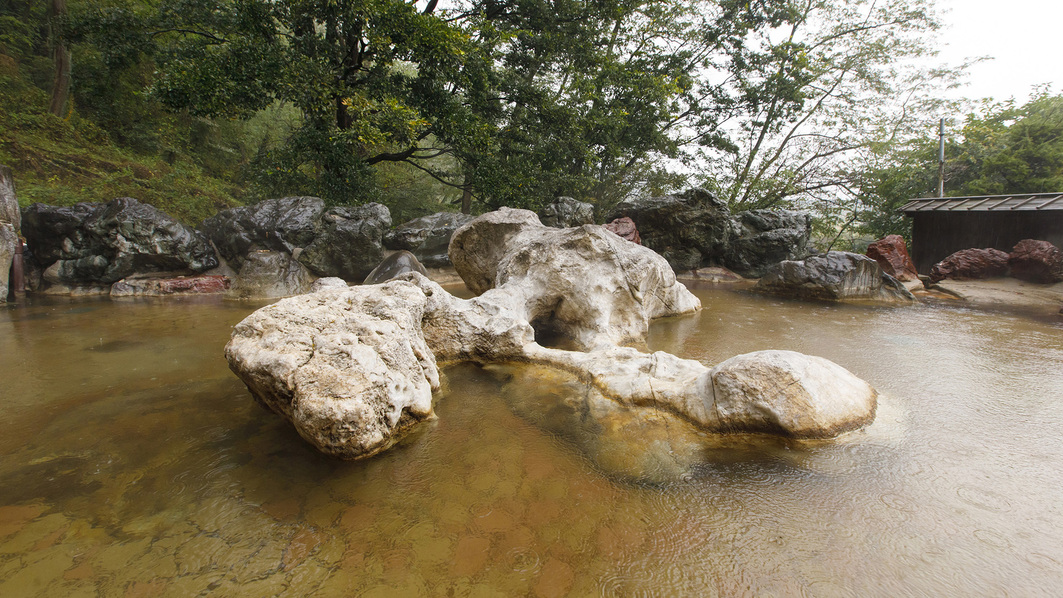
(353, 368)
(790, 393)
(347, 366)
(584, 284)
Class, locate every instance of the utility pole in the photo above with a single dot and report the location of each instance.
(941, 158)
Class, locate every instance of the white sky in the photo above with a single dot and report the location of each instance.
(1023, 36)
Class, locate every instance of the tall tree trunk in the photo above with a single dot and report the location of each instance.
(61, 57)
(466, 196)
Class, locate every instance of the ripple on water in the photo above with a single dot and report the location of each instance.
(983, 498)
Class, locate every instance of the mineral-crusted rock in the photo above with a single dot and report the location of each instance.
(353, 368)
(348, 243)
(971, 264)
(329, 282)
(348, 367)
(427, 237)
(483, 329)
(694, 229)
(270, 274)
(393, 265)
(8, 241)
(791, 394)
(104, 243)
(9, 212)
(1036, 261)
(585, 285)
(566, 212)
(833, 276)
(625, 229)
(161, 287)
(279, 224)
(892, 256)
(10, 225)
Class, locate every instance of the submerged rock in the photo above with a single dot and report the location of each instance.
(161, 287)
(428, 237)
(1036, 261)
(892, 256)
(566, 212)
(833, 276)
(971, 264)
(103, 243)
(393, 265)
(354, 368)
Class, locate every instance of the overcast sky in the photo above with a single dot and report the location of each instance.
(1024, 37)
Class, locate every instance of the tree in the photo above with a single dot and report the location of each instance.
(1001, 149)
(829, 93)
(363, 74)
(593, 98)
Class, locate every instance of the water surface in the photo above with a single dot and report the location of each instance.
(133, 463)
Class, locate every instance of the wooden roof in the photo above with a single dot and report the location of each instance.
(986, 203)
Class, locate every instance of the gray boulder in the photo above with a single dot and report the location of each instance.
(688, 229)
(694, 229)
(566, 212)
(104, 243)
(394, 265)
(427, 237)
(348, 243)
(765, 238)
(280, 224)
(833, 276)
(344, 242)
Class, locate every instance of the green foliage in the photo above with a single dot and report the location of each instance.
(65, 161)
(1002, 149)
(779, 102)
(825, 94)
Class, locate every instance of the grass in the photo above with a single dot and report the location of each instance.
(64, 161)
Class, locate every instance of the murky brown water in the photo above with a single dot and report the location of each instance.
(133, 463)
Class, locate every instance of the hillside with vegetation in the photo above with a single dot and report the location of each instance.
(194, 106)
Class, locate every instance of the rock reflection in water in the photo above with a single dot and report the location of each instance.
(631, 444)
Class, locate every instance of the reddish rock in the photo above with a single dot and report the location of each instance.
(1036, 261)
(185, 285)
(892, 256)
(971, 263)
(625, 229)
